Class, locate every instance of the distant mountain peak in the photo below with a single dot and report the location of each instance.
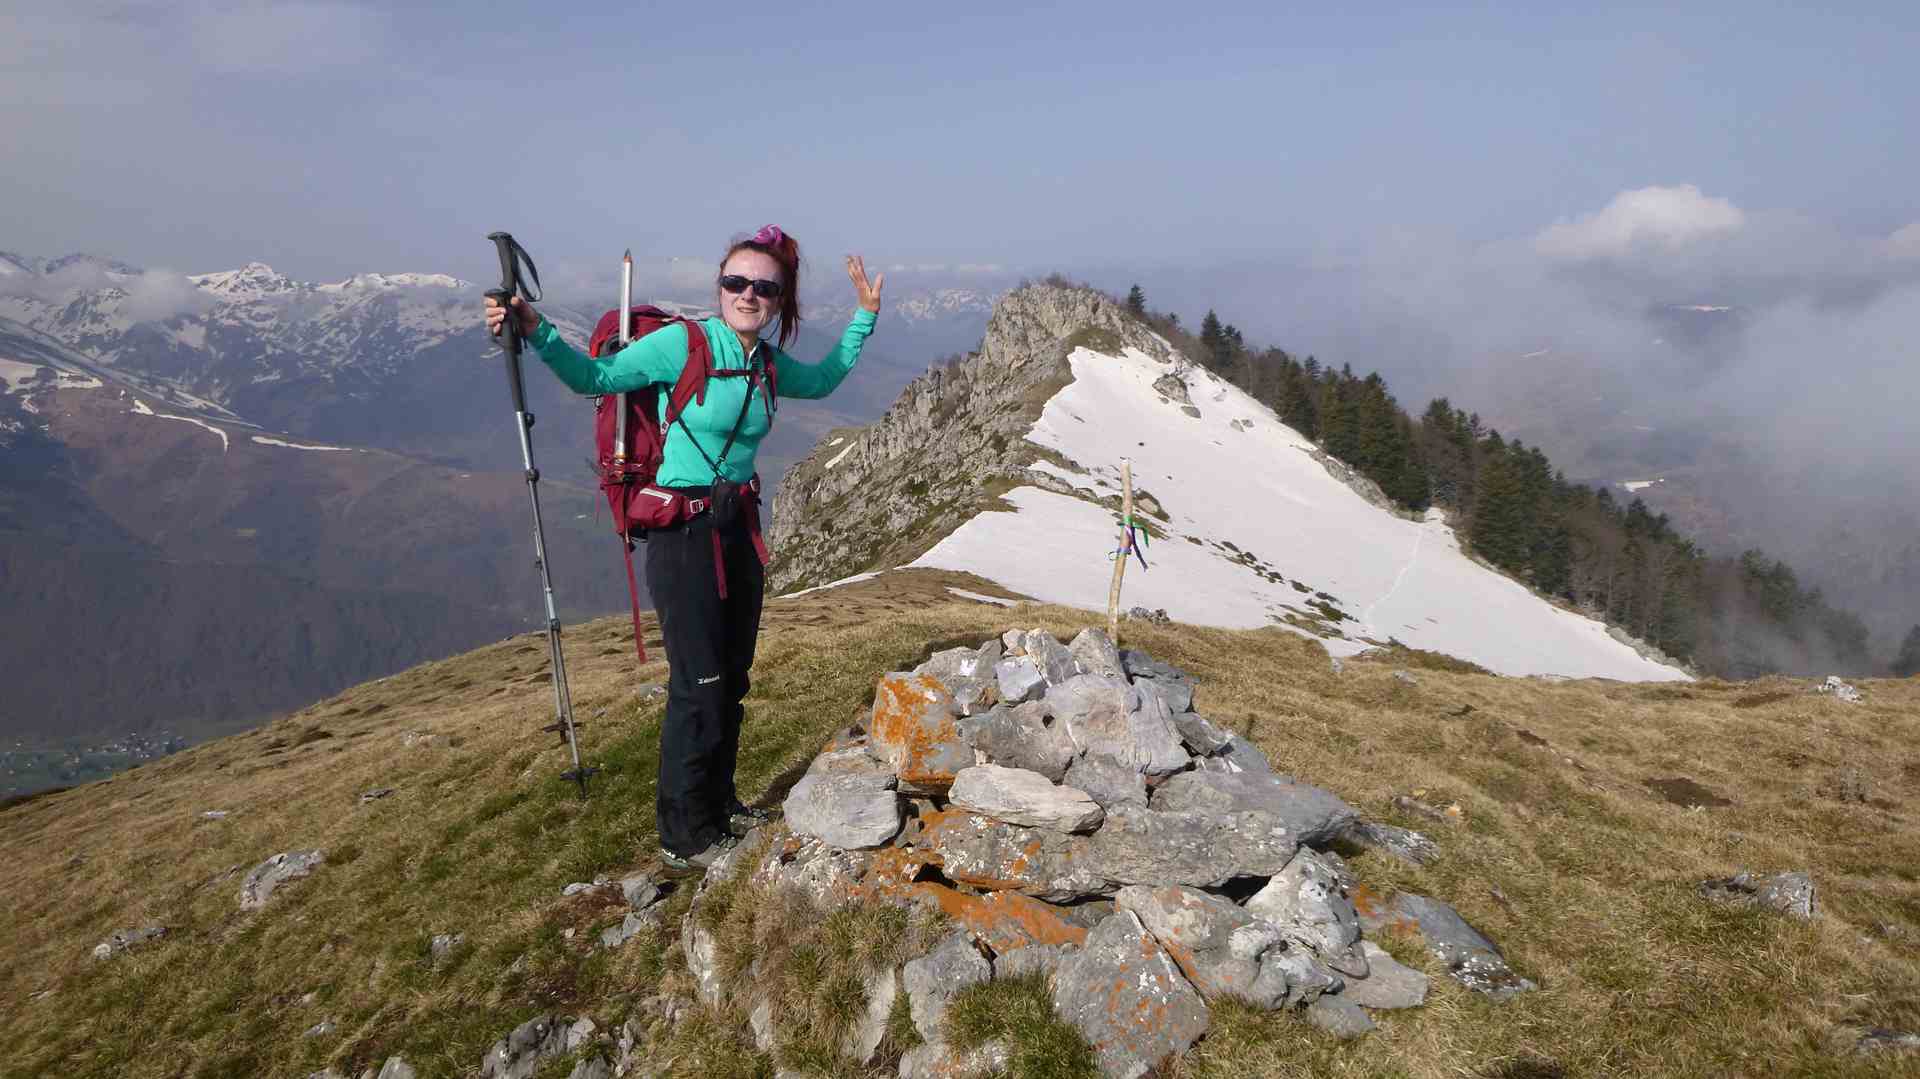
(252, 280)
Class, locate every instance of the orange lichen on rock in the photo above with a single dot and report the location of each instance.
(913, 730)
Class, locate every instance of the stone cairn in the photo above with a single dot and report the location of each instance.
(1069, 811)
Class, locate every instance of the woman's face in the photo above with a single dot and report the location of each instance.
(743, 311)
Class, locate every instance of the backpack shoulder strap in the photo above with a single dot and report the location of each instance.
(692, 383)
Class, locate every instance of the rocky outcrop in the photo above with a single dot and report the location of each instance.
(1134, 912)
(895, 487)
(1791, 894)
(264, 879)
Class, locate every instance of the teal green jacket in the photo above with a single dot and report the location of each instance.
(659, 357)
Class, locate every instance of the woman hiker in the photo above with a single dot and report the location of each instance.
(709, 630)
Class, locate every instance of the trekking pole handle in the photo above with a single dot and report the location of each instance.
(510, 253)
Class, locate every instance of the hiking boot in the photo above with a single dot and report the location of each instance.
(743, 818)
(702, 861)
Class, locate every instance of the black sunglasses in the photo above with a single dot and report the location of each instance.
(766, 290)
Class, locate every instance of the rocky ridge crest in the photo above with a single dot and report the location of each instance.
(951, 443)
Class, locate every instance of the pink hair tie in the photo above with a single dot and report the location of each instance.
(769, 235)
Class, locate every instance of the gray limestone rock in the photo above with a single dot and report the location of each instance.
(1019, 737)
(1470, 958)
(1052, 657)
(1018, 796)
(1404, 675)
(851, 809)
(1128, 998)
(1138, 664)
(1882, 1040)
(1107, 716)
(1791, 894)
(1307, 980)
(826, 874)
(993, 855)
(1339, 1016)
(972, 696)
(1014, 643)
(1093, 650)
(1196, 730)
(396, 1068)
(121, 940)
(1034, 960)
(1305, 899)
(1204, 850)
(932, 980)
(696, 941)
(1221, 948)
(321, 1029)
(1239, 755)
(520, 1054)
(640, 891)
(1107, 781)
(375, 794)
(952, 664)
(1170, 386)
(594, 1067)
(269, 875)
(1315, 816)
(938, 1060)
(444, 943)
(614, 936)
(870, 1028)
(1019, 680)
(1388, 984)
(1405, 844)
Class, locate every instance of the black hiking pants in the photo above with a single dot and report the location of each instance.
(709, 643)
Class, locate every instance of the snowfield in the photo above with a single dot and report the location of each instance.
(1257, 530)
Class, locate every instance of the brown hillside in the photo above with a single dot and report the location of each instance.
(1565, 851)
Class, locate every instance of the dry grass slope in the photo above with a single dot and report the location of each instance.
(1565, 853)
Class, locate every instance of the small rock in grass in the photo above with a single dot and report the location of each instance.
(1338, 1016)
(1791, 894)
(1388, 984)
(932, 980)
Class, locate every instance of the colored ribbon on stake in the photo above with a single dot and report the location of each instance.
(1119, 556)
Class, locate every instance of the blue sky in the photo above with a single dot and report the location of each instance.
(333, 137)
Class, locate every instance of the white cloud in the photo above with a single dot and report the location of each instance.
(1648, 217)
(1905, 243)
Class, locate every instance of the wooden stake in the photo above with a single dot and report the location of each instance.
(1120, 563)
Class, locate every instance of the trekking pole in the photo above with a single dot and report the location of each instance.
(512, 255)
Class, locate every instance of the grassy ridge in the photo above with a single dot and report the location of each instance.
(1594, 869)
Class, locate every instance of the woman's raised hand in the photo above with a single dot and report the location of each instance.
(869, 292)
(497, 316)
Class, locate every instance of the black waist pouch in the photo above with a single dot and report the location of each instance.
(725, 502)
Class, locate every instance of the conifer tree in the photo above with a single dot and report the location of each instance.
(1907, 663)
(1136, 300)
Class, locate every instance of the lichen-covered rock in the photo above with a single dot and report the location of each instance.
(938, 1060)
(265, 878)
(1145, 846)
(994, 855)
(1470, 958)
(1306, 900)
(827, 875)
(1018, 796)
(1004, 921)
(851, 809)
(932, 980)
(1791, 894)
(1313, 815)
(1405, 844)
(912, 730)
(1093, 650)
(1223, 950)
(1034, 961)
(1019, 737)
(1107, 781)
(1389, 983)
(1128, 999)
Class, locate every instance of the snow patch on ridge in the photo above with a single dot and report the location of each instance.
(1260, 538)
(140, 409)
(301, 445)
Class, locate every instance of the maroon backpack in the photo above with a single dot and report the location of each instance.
(628, 466)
